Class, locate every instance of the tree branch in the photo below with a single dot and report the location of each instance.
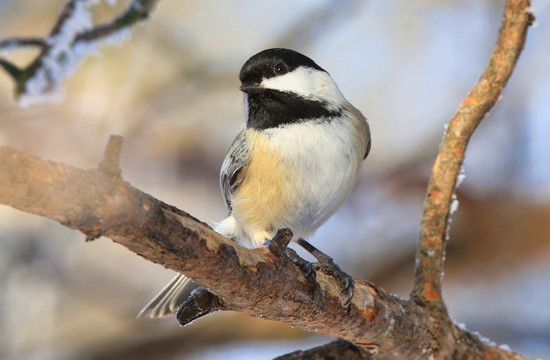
(252, 281)
(64, 48)
(11, 44)
(430, 253)
(257, 282)
(336, 350)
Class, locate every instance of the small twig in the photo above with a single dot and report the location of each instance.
(200, 303)
(11, 69)
(135, 12)
(139, 10)
(110, 164)
(21, 43)
(65, 15)
(434, 226)
(280, 242)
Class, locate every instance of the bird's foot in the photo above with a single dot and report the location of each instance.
(327, 265)
(279, 246)
(302, 264)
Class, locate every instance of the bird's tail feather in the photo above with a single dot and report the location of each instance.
(167, 301)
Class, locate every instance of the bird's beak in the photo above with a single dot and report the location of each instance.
(251, 88)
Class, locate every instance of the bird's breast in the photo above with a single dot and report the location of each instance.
(298, 176)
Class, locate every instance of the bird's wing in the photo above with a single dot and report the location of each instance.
(367, 151)
(366, 131)
(234, 164)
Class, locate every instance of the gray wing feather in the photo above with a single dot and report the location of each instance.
(232, 174)
(367, 136)
(369, 143)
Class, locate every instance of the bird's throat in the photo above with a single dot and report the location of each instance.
(273, 108)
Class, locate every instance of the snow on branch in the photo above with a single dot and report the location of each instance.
(72, 38)
(446, 172)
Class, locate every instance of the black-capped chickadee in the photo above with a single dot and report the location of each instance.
(294, 162)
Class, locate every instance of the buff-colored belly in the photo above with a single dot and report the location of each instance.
(263, 197)
(295, 180)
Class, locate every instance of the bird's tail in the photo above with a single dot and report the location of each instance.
(169, 299)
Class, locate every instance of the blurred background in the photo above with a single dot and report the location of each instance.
(172, 91)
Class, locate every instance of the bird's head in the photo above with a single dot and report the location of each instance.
(283, 86)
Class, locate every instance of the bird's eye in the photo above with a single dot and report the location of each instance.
(280, 69)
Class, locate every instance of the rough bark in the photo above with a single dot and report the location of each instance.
(254, 281)
(338, 349)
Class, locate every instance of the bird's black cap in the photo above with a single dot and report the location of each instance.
(263, 64)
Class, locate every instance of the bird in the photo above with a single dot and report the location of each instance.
(293, 163)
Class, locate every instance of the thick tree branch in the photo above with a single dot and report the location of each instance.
(257, 282)
(430, 254)
(252, 281)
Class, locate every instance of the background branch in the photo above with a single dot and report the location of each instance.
(430, 253)
(71, 39)
(12, 44)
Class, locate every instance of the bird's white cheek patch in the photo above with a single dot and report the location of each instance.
(301, 81)
(307, 82)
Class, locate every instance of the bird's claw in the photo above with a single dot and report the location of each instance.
(302, 264)
(327, 265)
(279, 245)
